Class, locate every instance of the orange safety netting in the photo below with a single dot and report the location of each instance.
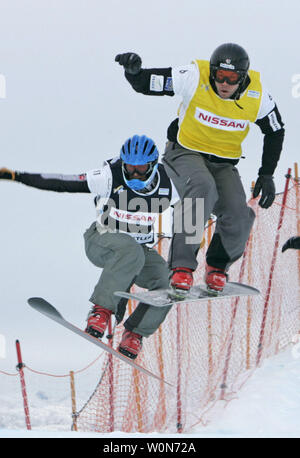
(208, 349)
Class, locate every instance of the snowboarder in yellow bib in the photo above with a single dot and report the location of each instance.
(220, 98)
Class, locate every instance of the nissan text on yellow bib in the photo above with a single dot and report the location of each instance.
(214, 125)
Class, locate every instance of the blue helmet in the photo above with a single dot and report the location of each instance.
(139, 150)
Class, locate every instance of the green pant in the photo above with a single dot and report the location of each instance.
(125, 262)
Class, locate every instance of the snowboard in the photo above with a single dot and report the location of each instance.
(44, 307)
(166, 297)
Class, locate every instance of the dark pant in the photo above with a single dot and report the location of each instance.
(219, 184)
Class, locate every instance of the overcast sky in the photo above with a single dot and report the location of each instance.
(68, 107)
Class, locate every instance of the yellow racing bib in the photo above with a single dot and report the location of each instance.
(214, 125)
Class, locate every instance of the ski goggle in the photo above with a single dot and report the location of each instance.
(145, 179)
(139, 169)
(231, 77)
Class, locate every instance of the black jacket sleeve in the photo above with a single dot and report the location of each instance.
(273, 129)
(53, 182)
(152, 81)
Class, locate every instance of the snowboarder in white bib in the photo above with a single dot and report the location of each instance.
(220, 98)
(128, 197)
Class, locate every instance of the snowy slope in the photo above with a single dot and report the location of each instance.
(267, 406)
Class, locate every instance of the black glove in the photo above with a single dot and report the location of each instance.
(131, 62)
(6, 174)
(265, 184)
(293, 242)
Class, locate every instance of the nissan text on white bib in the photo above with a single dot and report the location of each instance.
(144, 219)
(220, 122)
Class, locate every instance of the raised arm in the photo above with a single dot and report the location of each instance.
(151, 81)
(48, 182)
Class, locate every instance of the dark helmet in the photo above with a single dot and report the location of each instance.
(230, 56)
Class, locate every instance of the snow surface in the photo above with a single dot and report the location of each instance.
(268, 405)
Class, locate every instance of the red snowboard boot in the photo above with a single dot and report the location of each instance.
(97, 321)
(182, 278)
(215, 278)
(131, 344)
